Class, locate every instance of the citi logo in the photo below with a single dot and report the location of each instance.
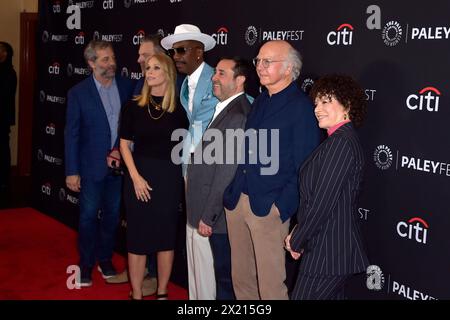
(46, 189)
(414, 229)
(108, 4)
(427, 99)
(54, 68)
(383, 157)
(342, 36)
(50, 129)
(79, 39)
(137, 38)
(221, 36)
(56, 7)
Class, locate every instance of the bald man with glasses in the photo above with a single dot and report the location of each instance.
(259, 204)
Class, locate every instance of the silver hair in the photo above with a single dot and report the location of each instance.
(90, 52)
(294, 58)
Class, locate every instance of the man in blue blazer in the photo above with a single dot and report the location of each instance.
(91, 154)
(186, 46)
(262, 197)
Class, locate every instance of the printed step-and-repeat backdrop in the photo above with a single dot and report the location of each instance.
(397, 50)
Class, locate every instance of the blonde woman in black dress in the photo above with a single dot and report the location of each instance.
(154, 185)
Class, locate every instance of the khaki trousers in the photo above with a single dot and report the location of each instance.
(257, 252)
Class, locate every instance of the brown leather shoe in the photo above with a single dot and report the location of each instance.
(119, 278)
(149, 286)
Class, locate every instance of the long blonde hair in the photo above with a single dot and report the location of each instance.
(169, 102)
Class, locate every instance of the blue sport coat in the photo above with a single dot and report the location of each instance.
(87, 133)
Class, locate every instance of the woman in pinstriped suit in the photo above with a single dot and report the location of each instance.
(327, 235)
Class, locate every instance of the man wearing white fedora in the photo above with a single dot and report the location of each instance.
(186, 46)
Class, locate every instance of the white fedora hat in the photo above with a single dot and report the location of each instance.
(188, 32)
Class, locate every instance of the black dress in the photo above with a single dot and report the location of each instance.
(152, 225)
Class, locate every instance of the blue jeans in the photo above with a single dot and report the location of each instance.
(97, 233)
(220, 247)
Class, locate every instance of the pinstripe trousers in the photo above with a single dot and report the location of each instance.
(319, 287)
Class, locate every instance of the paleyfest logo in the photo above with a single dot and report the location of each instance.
(383, 157)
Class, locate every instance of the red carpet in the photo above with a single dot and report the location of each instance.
(35, 252)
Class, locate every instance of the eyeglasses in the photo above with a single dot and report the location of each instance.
(264, 62)
(180, 50)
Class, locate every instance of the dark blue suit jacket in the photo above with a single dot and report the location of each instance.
(87, 133)
(292, 112)
(327, 218)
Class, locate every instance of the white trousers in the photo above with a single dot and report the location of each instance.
(202, 281)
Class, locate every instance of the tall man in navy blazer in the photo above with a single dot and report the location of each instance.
(93, 109)
(259, 205)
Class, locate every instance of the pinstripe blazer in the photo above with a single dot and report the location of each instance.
(327, 228)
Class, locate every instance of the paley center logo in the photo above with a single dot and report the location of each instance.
(252, 35)
(53, 99)
(430, 33)
(427, 99)
(80, 71)
(221, 36)
(125, 72)
(342, 36)
(384, 158)
(107, 37)
(48, 36)
(392, 33)
(414, 229)
(82, 4)
(127, 3)
(48, 158)
(409, 293)
(64, 196)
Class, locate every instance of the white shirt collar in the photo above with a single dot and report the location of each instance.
(193, 78)
(223, 104)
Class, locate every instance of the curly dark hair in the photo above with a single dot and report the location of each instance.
(346, 91)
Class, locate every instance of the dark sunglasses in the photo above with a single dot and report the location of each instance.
(180, 50)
